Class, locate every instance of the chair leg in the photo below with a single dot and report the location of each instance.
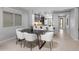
(51, 46)
(31, 46)
(21, 44)
(24, 43)
(16, 41)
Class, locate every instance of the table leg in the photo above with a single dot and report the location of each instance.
(38, 41)
(42, 45)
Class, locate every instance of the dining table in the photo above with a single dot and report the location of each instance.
(38, 33)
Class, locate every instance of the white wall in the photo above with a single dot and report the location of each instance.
(30, 17)
(25, 20)
(78, 23)
(9, 32)
(68, 25)
(74, 23)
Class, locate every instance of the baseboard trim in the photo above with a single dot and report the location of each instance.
(4, 40)
(76, 39)
(73, 37)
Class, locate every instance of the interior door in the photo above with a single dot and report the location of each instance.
(60, 22)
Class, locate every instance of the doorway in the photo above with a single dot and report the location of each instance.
(61, 23)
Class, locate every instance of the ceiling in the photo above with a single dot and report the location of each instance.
(47, 8)
(43, 9)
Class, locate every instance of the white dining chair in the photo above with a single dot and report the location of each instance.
(19, 29)
(30, 38)
(20, 37)
(50, 28)
(44, 27)
(48, 37)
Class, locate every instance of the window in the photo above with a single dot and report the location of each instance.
(18, 20)
(7, 19)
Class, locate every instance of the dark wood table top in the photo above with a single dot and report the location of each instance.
(34, 31)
